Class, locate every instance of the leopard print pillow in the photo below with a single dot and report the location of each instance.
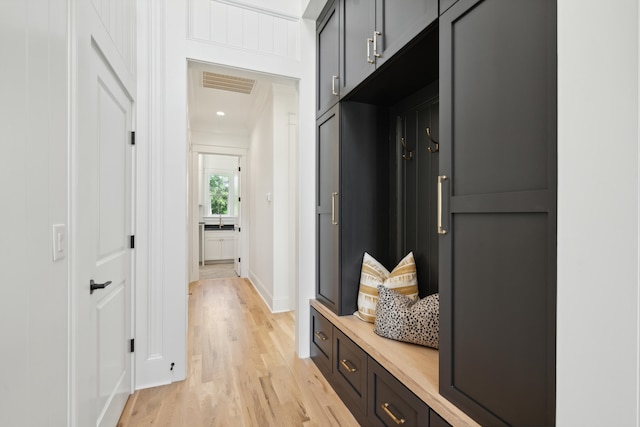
(402, 319)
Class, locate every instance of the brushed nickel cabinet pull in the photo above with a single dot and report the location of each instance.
(441, 179)
(333, 85)
(333, 209)
(375, 43)
(321, 336)
(345, 363)
(397, 420)
(369, 60)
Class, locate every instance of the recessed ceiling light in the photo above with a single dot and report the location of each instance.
(220, 113)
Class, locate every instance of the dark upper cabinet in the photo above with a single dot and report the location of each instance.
(357, 24)
(327, 40)
(351, 199)
(371, 32)
(497, 259)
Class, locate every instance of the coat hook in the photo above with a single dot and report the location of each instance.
(436, 143)
(404, 147)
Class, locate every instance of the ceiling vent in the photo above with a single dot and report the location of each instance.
(228, 83)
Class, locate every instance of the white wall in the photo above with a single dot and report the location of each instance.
(200, 137)
(261, 209)
(272, 144)
(285, 109)
(34, 298)
(598, 295)
(167, 44)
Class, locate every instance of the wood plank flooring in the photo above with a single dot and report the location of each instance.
(243, 370)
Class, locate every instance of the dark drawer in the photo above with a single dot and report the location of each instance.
(350, 374)
(321, 341)
(391, 403)
(436, 420)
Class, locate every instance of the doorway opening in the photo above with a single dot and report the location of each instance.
(248, 120)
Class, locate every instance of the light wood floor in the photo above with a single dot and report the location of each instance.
(243, 370)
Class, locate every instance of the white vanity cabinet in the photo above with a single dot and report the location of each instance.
(219, 245)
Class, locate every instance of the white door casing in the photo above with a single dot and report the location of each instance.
(103, 212)
(237, 260)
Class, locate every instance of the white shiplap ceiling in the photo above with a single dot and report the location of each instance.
(241, 110)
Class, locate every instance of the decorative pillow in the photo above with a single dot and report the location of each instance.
(403, 319)
(403, 279)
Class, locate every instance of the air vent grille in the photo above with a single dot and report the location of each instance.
(228, 83)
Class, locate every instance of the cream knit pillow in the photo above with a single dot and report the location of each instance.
(402, 279)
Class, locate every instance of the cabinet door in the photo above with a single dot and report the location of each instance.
(399, 21)
(228, 248)
(212, 246)
(328, 209)
(327, 39)
(498, 257)
(357, 24)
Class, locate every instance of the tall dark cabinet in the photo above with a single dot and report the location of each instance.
(351, 199)
(498, 256)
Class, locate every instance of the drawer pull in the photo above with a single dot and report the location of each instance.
(385, 407)
(345, 363)
(321, 336)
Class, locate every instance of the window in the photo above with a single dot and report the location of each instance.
(219, 194)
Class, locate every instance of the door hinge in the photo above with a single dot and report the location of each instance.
(238, 259)
(239, 229)
(133, 137)
(132, 345)
(172, 365)
(239, 199)
(132, 242)
(239, 168)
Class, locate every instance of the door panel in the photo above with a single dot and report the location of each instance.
(328, 59)
(498, 257)
(328, 209)
(399, 21)
(104, 212)
(357, 19)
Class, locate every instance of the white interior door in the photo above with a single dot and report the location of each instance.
(104, 226)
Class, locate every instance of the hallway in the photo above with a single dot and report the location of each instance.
(243, 370)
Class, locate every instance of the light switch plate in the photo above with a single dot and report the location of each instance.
(59, 241)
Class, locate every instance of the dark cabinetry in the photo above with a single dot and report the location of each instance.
(354, 37)
(351, 201)
(415, 184)
(372, 394)
(391, 402)
(480, 212)
(350, 374)
(371, 32)
(321, 350)
(328, 55)
(498, 258)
